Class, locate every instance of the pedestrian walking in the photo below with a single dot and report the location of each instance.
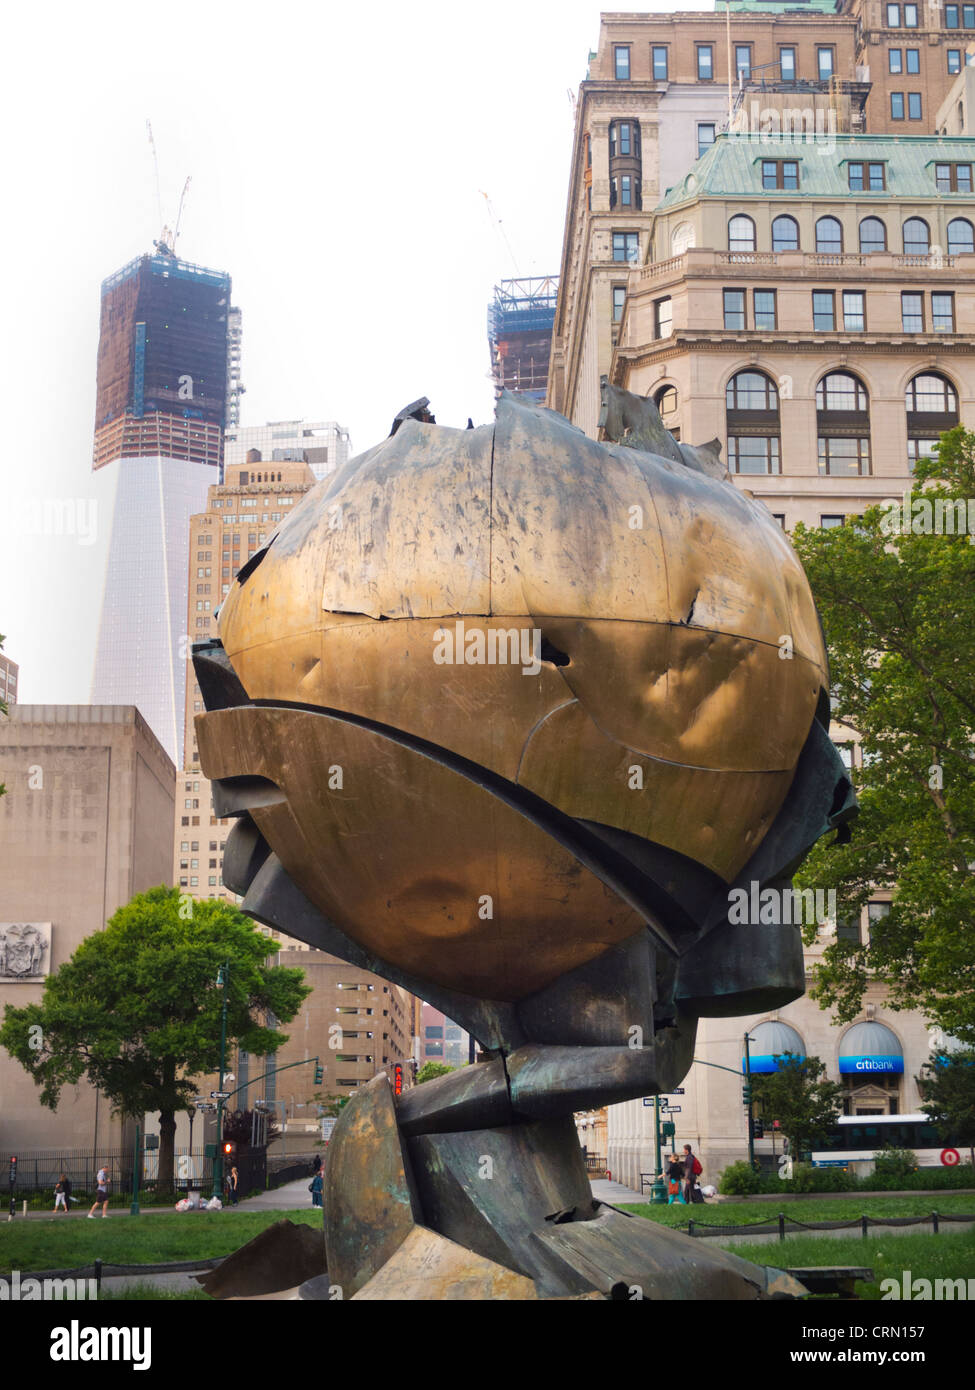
(315, 1188)
(101, 1193)
(62, 1193)
(692, 1170)
(234, 1184)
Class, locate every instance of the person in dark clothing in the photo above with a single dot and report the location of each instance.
(689, 1161)
(675, 1173)
(62, 1194)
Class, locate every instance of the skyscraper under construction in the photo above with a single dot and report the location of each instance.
(168, 377)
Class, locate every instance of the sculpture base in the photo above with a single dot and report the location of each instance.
(500, 1213)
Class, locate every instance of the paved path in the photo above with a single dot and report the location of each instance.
(615, 1193)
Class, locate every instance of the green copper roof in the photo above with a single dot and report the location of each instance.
(778, 6)
(732, 167)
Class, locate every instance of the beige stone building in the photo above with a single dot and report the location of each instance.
(656, 97)
(86, 823)
(807, 315)
(9, 675)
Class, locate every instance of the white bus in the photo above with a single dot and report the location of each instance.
(856, 1139)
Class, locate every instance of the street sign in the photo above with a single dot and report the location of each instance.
(648, 1100)
(219, 1095)
(328, 1124)
(949, 1157)
(678, 1090)
(673, 1109)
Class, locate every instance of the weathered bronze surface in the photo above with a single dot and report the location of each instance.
(503, 714)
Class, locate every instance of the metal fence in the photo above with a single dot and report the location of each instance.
(863, 1224)
(38, 1170)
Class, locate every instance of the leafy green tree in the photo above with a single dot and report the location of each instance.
(898, 609)
(947, 1087)
(798, 1096)
(431, 1070)
(137, 1008)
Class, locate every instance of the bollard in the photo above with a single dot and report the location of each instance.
(781, 1225)
(864, 1225)
(934, 1223)
(690, 1226)
(98, 1278)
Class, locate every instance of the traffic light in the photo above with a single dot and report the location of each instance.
(398, 1079)
(228, 1148)
(746, 1094)
(319, 1074)
(758, 1129)
(13, 1171)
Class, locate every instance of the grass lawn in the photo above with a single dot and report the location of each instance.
(145, 1292)
(814, 1209)
(926, 1256)
(150, 1239)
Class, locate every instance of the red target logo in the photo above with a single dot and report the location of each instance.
(949, 1157)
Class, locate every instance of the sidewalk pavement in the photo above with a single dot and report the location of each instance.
(286, 1198)
(604, 1190)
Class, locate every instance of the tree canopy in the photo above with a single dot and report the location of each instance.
(137, 1008)
(431, 1070)
(947, 1086)
(796, 1095)
(897, 600)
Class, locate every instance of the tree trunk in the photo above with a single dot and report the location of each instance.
(167, 1145)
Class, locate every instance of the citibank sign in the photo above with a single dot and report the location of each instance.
(850, 1065)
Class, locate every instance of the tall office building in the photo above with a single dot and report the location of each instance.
(520, 319)
(9, 671)
(168, 362)
(322, 444)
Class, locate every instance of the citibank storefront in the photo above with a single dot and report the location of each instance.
(871, 1065)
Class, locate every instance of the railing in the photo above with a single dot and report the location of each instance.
(675, 264)
(746, 257)
(860, 1223)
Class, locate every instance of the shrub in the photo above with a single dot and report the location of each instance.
(739, 1179)
(895, 1163)
(806, 1178)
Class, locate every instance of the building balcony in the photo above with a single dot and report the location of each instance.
(704, 262)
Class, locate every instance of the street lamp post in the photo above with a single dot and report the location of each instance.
(748, 1083)
(134, 1207)
(223, 976)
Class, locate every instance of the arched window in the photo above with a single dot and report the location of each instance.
(873, 236)
(785, 234)
(843, 426)
(829, 236)
(752, 416)
(741, 234)
(681, 238)
(961, 238)
(932, 408)
(666, 402)
(917, 238)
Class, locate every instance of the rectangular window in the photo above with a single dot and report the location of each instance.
(951, 17)
(897, 106)
(843, 457)
(912, 313)
(914, 106)
(855, 175)
(954, 60)
(824, 60)
(876, 912)
(705, 62)
(624, 129)
(780, 173)
(968, 16)
(780, 518)
(660, 64)
(943, 313)
(662, 318)
(626, 246)
(626, 191)
(893, 16)
(705, 136)
(621, 55)
(743, 60)
(876, 178)
(824, 314)
(753, 454)
(734, 309)
(787, 64)
(619, 299)
(910, 16)
(828, 522)
(763, 308)
(854, 312)
(913, 57)
(953, 178)
(895, 60)
(848, 929)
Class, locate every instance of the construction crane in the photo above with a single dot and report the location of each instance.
(496, 223)
(165, 243)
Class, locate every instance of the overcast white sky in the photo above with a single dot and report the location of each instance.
(338, 156)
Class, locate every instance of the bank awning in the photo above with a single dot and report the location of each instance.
(870, 1048)
(771, 1040)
